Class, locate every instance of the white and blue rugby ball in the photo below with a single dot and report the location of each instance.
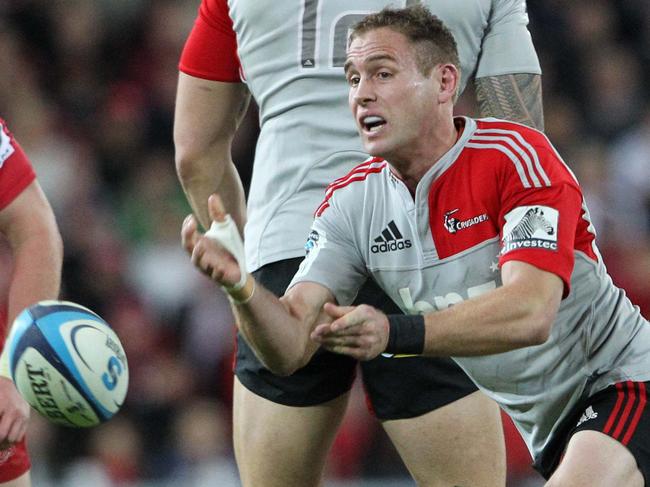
(68, 363)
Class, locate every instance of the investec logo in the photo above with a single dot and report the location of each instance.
(390, 240)
(530, 227)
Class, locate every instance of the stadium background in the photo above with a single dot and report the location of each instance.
(88, 87)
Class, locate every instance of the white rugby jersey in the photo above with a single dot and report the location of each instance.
(292, 53)
(500, 193)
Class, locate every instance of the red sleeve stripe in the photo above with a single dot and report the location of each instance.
(357, 169)
(324, 206)
(518, 150)
(631, 398)
(523, 147)
(620, 395)
(633, 409)
(637, 414)
(359, 173)
(361, 170)
(513, 158)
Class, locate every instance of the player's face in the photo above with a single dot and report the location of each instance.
(391, 100)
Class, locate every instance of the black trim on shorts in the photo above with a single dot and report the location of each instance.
(620, 411)
(397, 388)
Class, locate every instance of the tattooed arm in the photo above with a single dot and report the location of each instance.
(516, 97)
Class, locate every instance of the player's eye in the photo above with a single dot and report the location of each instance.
(384, 74)
(353, 80)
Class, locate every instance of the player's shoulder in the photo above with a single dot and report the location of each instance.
(360, 172)
(520, 131)
(524, 150)
(515, 135)
(347, 187)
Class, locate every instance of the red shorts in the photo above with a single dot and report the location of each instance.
(14, 462)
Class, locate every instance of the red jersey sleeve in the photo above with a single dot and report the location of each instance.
(16, 173)
(210, 51)
(541, 210)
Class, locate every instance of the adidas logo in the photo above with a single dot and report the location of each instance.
(587, 415)
(390, 240)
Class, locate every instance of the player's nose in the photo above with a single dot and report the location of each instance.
(364, 93)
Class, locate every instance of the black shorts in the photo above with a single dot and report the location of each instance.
(397, 388)
(620, 412)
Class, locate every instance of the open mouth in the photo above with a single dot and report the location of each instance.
(372, 123)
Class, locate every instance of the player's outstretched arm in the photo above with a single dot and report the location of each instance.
(359, 331)
(515, 97)
(518, 314)
(30, 226)
(277, 329)
(31, 230)
(205, 121)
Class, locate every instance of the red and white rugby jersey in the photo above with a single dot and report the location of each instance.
(509, 182)
(500, 193)
(16, 173)
(291, 54)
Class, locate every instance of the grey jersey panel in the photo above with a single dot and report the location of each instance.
(599, 337)
(291, 53)
(507, 29)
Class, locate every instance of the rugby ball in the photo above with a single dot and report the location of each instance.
(67, 363)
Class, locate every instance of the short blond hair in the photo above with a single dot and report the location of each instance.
(433, 41)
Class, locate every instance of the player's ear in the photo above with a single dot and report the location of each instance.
(449, 81)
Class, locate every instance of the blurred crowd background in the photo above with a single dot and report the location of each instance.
(88, 86)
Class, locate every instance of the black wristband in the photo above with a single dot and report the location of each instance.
(406, 334)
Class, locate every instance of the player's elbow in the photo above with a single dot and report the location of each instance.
(191, 147)
(44, 234)
(540, 321)
(56, 244)
(283, 366)
(539, 332)
(533, 298)
(285, 359)
(187, 157)
(281, 370)
(278, 357)
(302, 352)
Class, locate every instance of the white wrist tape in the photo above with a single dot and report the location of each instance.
(225, 233)
(4, 363)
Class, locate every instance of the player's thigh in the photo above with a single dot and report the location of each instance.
(444, 430)
(278, 445)
(284, 426)
(593, 459)
(22, 481)
(460, 443)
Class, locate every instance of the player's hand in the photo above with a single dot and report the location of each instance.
(14, 414)
(358, 331)
(207, 255)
